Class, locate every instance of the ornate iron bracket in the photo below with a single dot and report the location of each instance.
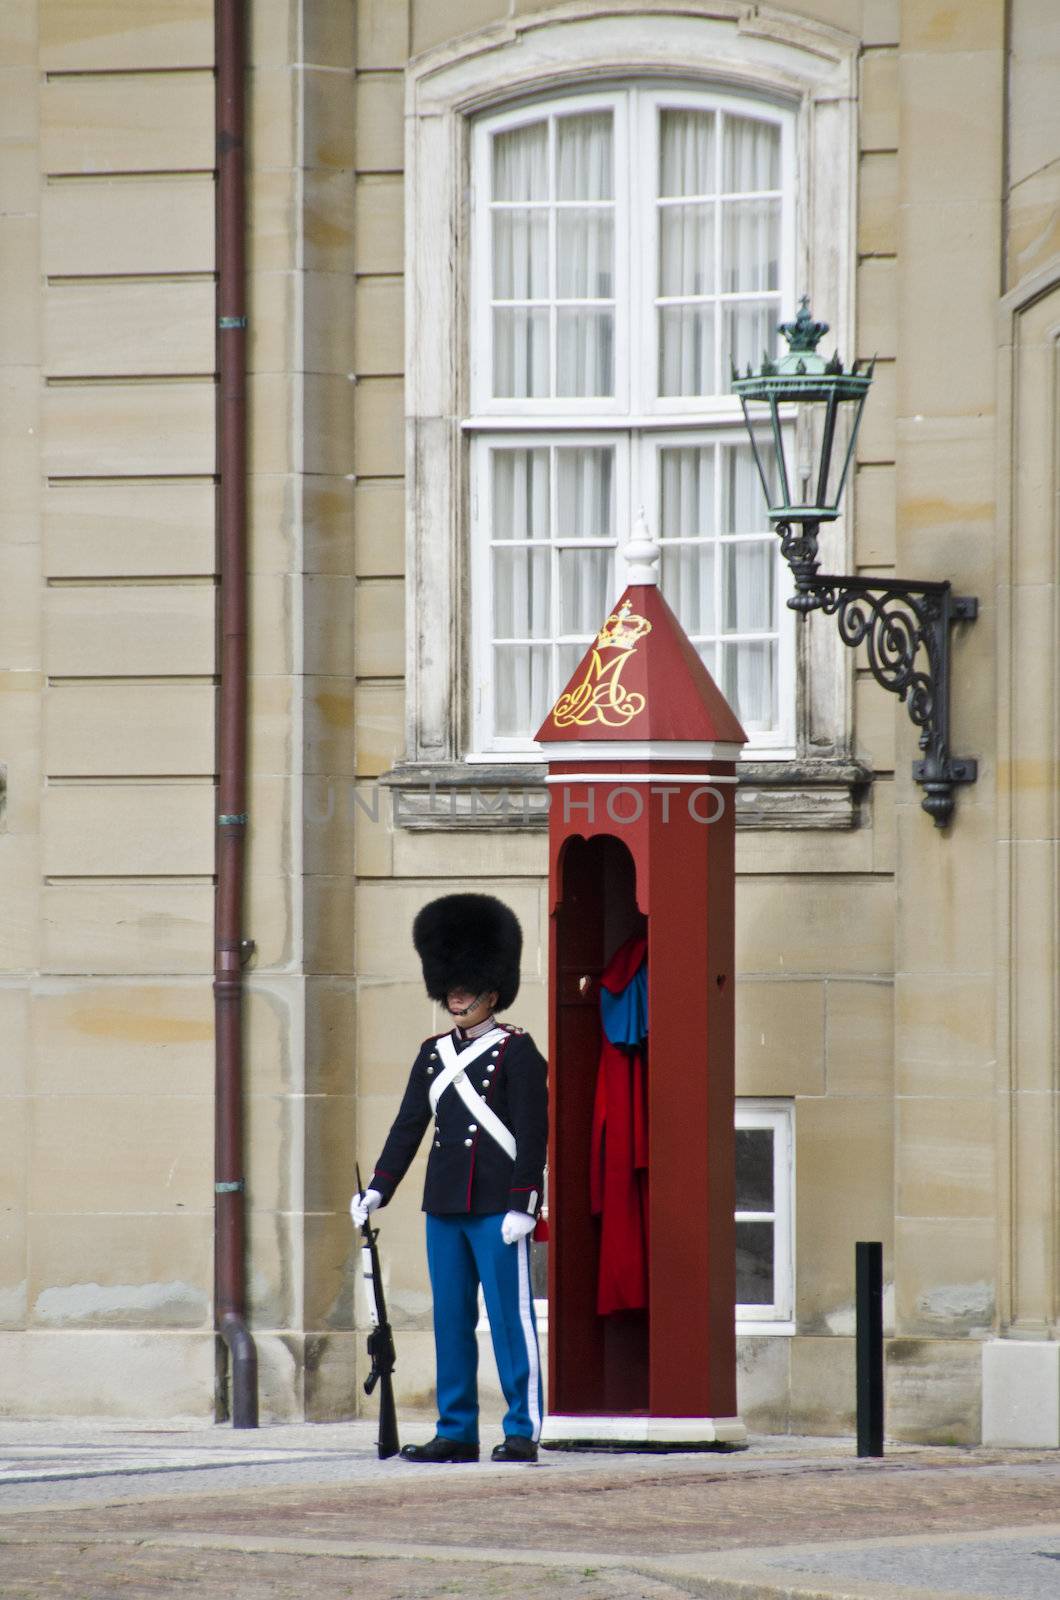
(900, 624)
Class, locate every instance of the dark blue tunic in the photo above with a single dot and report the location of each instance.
(468, 1173)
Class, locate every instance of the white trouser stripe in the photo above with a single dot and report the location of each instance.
(526, 1318)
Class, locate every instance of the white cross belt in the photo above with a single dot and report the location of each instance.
(455, 1074)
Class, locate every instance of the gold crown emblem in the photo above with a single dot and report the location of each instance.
(623, 629)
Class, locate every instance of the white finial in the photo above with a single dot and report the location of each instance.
(642, 552)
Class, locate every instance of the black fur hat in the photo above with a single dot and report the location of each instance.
(469, 941)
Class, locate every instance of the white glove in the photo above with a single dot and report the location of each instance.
(362, 1206)
(516, 1225)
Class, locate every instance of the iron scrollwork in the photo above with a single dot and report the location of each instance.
(905, 629)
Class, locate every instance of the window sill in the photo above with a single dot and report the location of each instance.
(776, 796)
(755, 1329)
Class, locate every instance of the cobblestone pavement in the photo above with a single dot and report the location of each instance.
(94, 1514)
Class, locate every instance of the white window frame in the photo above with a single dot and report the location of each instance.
(779, 1117)
(778, 56)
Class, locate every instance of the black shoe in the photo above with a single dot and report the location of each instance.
(516, 1447)
(439, 1449)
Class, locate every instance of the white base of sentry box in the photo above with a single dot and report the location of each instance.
(559, 1432)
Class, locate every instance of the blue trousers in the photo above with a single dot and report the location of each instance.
(463, 1252)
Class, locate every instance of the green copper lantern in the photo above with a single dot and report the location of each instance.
(804, 377)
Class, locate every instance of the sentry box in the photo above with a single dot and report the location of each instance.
(641, 749)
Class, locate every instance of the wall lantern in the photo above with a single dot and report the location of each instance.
(905, 626)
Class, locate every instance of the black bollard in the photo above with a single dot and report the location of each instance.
(869, 1276)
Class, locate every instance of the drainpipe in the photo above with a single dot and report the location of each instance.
(230, 948)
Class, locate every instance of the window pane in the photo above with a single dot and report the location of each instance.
(568, 657)
(585, 495)
(520, 255)
(749, 682)
(520, 494)
(520, 593)
(521, 689)
(520, 163)
(686, 250)
(585, 268)
(520, 354)
(538, 1268)
(748, 574)
(585, 589)
(686, 350)
(754, 1263)
(754, 1169)
(750, 246)
(749, 331)
(686, 152)
(584, 157)
(686, 493)
(743, 508)
(688, 584)
(751, 156)
(585, 353)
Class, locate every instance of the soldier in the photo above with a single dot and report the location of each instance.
(485, 1084)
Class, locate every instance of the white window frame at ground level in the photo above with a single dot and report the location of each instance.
(778, 1117)
(780, 57)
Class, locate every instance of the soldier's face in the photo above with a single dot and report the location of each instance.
(469, 1009)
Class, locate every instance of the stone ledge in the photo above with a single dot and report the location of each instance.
(456, 796)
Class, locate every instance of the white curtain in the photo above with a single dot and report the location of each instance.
(520, 262)
(521, 689)
(584, 589)
(520, 491)
(585, 336)
(687, 163)
(749, 567)
(530, 555)
(686, 153)
(749, 247)
(520, 163)
(743, 508)
(584, 159)
(750, 156)
(584, 510)
(585, 493)
(686, 512)
(749, 681)
(581, 203)
(750, 239)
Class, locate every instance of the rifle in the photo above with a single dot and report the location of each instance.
(380, 1340)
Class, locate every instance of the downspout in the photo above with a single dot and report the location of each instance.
(229, 945)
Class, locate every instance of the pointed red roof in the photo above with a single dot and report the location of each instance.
(642, 678)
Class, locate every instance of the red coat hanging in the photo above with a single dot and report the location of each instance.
(619, 1153)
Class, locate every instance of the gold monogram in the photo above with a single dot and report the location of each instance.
(600, 696)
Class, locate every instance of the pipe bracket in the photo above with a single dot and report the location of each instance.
(225, 323)
(237, 1186)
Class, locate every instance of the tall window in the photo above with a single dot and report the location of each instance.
(626, 245)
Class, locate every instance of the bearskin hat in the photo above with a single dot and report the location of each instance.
(469, 941)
